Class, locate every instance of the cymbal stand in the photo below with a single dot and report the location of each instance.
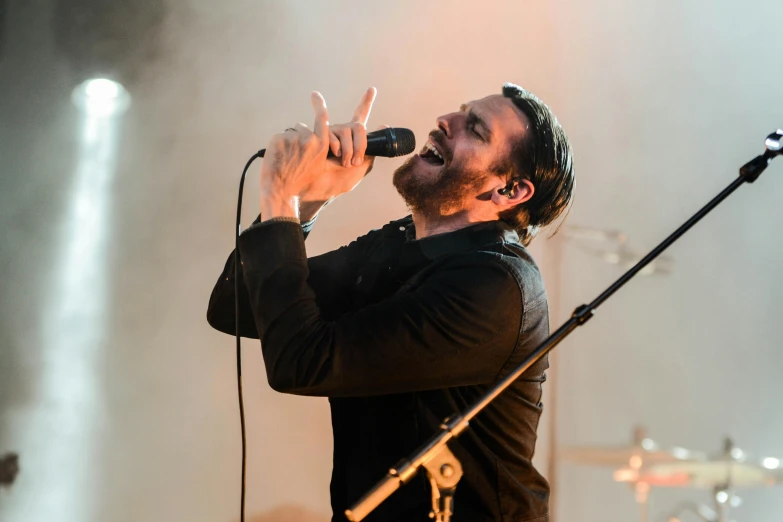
(721, 495)
(641, 492)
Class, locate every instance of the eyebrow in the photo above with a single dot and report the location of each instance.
(475, 118)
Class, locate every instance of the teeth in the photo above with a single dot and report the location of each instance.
(432, 148)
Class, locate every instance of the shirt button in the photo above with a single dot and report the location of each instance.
(402, 229)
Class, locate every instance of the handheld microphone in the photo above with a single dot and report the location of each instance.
(388, 143)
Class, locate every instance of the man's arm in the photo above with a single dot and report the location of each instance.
(457, 328)
(330, 272)
(331, 276)
(220, 311)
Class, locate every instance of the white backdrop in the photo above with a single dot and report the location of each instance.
(121, 400)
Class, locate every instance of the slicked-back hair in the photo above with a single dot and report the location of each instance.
(542, 156)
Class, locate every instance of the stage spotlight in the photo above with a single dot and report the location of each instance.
(101, 97)
(107, 41)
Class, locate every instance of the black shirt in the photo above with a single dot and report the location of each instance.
(400, 333)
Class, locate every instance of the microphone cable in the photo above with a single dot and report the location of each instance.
(388, 142)
(237, 263)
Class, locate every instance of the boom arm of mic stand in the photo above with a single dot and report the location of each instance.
(406, 469)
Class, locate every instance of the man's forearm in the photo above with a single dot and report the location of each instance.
(220, 312)
(442, 323)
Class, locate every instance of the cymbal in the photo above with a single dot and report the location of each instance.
(720, 472)
(642, 452)
(631, 456)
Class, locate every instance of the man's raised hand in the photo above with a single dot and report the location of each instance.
(348, 141)
(296, 169)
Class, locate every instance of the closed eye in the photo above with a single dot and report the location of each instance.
(473, 122)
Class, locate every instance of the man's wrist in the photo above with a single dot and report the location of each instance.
(308, 210)
(275, 205)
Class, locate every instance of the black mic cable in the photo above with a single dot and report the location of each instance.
(238, 336)
(390, 142)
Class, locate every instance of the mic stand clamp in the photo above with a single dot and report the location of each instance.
(443, 472)
(753, 169)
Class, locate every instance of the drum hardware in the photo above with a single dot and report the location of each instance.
(616, 250)
(700, 510)
(630, 459)
(644, 465)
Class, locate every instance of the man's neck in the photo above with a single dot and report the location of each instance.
(432, 225)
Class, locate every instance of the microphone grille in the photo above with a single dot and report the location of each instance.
(406, 141)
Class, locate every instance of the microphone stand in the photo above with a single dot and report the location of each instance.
(443, 468)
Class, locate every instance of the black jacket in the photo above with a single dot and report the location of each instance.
(399, 334)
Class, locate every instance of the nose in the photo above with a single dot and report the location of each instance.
(451, 123)
(443, 124)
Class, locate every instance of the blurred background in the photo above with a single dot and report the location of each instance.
(117, 213)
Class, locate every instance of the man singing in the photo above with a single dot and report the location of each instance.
(413, 322)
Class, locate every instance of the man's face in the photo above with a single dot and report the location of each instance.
(458, 165)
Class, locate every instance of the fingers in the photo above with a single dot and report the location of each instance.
(362, 112)
(359, 143)
(345, 138)
(321, 125)
(298, 132)
(349, 141)
(334, 144)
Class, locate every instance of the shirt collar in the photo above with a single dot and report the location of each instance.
(468, 238)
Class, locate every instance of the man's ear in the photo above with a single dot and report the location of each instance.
(519, 191)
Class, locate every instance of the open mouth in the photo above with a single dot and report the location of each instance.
(431, 155)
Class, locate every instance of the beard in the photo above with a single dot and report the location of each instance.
(444, 194)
